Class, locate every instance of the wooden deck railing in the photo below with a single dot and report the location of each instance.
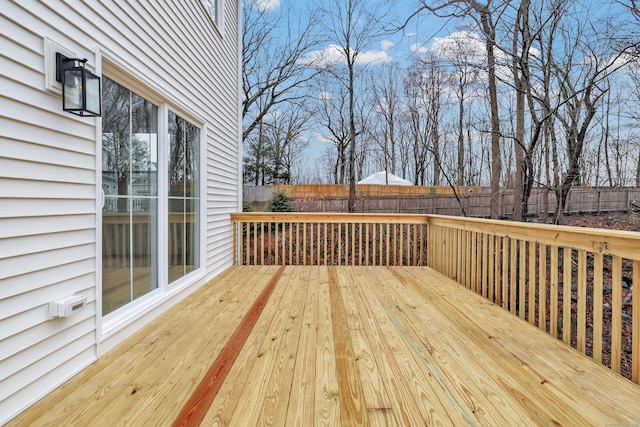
(575, 284)
(335, 239)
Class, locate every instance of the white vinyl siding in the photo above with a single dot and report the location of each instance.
(49, 180)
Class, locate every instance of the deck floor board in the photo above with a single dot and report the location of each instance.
(344, 346)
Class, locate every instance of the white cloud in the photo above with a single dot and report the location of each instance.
(460, 45)
(373, 57)
(386, 44)
(321, 137)
(326, 57)
(325, 96)
(334, 54)
(267, 5)
(419, 48)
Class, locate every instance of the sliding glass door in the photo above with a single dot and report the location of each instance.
(130, 185)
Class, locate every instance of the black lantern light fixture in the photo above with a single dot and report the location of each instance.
(80, 87)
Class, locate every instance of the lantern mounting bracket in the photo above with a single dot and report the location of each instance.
(63, 62)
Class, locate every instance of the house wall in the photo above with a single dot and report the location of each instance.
(50, 198)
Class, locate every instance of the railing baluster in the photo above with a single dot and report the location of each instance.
(290, 255)
(513, 281)
(269, 244)
(247, 250)
(334, 238)
(451, 241)
(255, 243)
(491, 267)
(458, 255)
(366, 245)
(325, 254)
(262, 244)
(359, 252)
(387, 249)
(542, 287)
(276, 244)
(236, 236)
(532, 282)
(616, 313)
(598, 268)
(340, 245)
(473, 284)
(307, 245)
(417, 248)
(485, 265)
(321, 245)
(522, 283)
(401, 251)
(297, 245)
(566, 296)
(553, 292)
(581, 342)
(505, 273)
(353, 244)
(497, 275)
(635, 347)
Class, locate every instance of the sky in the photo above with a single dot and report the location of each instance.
(421, 34)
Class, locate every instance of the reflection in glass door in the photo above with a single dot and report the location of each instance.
(130, 185)
(184, 197)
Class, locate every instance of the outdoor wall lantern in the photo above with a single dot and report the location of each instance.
(80, 87)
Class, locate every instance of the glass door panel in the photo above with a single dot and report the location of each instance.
(130, 184)
(184, 197)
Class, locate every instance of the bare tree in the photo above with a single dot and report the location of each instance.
(464, 62)
(432, 86)
(419, 124)
(486, 15)
(387, 93)
(351, 25)
(286, 133)
(274, 69)
(581, 75)
(332, 115)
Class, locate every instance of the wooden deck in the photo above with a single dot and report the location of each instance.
(348, 346)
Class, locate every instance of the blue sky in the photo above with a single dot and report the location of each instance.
(398, 47)
(422, 32)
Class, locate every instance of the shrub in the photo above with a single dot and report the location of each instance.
(279, 201)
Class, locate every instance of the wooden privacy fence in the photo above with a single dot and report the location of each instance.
(301, 191)
(337, 239)
(441, 201)
(576, 284)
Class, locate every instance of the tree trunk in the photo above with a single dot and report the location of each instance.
(461, 138)
(352, 137)
(496, 161)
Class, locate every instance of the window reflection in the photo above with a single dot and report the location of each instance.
(184, 197)
(130, 184)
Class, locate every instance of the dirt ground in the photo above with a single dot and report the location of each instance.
(610, 221)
